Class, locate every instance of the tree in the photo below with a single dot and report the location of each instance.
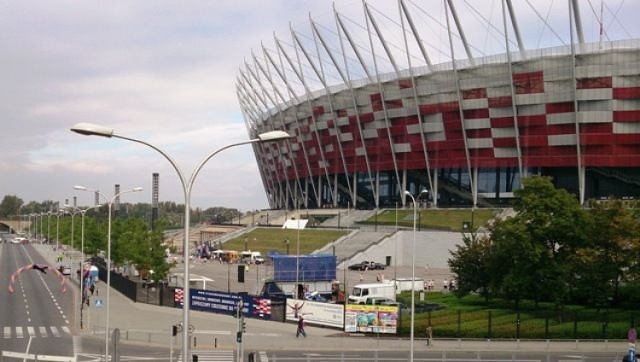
(10, 206)
(554, 221)
(470, 263)
(610, 252)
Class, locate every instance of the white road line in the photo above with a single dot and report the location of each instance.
(7, 332)
(19, 333)
(66, 329)
(263, 356)
(54, 331)
(31, 331)
(43, 332)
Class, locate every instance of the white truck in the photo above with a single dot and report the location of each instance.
(361, 292)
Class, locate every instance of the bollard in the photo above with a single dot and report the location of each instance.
(215, 342)
(195, 341)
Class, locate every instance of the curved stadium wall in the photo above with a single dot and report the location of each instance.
(466, 132)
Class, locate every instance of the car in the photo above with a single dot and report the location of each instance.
(367, 265)
(258, 260)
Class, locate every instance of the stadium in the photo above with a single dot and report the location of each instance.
(376, 106)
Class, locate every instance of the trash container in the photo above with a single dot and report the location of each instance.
(388, 261)
(252, 357)
(194, 358)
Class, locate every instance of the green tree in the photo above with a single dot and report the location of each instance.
(470, 262)
(10, 205)
(611, 251)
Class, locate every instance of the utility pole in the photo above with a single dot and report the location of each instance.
(240, 332)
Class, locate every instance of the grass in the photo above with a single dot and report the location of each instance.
(435, 218)
(468, 317)
(271, 239)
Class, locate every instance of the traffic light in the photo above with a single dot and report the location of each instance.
(240, 273)
(244, 325)
(174, 330)
(239, 337)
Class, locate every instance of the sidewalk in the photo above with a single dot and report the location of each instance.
(152, 324)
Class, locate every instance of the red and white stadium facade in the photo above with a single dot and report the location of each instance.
(365, 129)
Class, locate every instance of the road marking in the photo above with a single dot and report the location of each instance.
(19, 332)
(66, 329)
(31, 331)
(43, 332)
(263, 356)
(55, 332)
(7, 332)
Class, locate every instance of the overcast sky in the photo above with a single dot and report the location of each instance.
(164, 71)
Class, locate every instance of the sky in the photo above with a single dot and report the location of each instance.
(165, 72)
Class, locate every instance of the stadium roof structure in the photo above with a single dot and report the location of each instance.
(415, 95)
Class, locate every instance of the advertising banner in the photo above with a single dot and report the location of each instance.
(325, 314)
(371, 318)
(227, 303)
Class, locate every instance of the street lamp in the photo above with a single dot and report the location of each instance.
(89, 129)
(110, 203)
(82, 289)
(60, 212)
(73, 223)
(413, 268)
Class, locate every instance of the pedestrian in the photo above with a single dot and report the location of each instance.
(445, 284)
(301, 328)
(361, 278)
(429, 335)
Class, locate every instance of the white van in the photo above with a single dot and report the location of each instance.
(363, 291)
(251, 257)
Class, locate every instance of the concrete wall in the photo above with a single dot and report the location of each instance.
(432, 249)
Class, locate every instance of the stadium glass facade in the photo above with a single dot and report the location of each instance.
(465, 131)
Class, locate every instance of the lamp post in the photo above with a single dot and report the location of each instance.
(89, 129)
(413, 269)
(81, 281)
(49, 226)
(73, 223)
(110, 204)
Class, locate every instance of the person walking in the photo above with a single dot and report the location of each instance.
(429, 335)
(301, 328)
(361, 278)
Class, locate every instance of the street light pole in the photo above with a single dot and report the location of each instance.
(89, 129)
(413, 271)
(81, 281)
(109, 203)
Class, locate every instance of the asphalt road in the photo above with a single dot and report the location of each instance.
(37, 317)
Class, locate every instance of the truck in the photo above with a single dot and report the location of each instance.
(404, 284)
(361, 292)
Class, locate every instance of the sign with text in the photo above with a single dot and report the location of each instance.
(371, 318)
(227, 303)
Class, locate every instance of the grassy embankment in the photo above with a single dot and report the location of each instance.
(272, 239)
(441, 219)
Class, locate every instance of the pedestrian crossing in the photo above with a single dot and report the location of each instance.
(35, 332)
(213, 355)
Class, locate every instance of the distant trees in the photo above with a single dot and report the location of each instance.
(552, 250)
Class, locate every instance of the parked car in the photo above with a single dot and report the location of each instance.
(367, 265)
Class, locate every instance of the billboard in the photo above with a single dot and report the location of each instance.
(227, 303)
(371, 318)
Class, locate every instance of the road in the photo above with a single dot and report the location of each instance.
(37, 317)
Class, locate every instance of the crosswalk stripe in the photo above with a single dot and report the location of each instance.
(55, 332)
(213, 356)
(19, 333)
(263, 356)
(43, 332)
(7, 332)
(31, 331)
(66, 330)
